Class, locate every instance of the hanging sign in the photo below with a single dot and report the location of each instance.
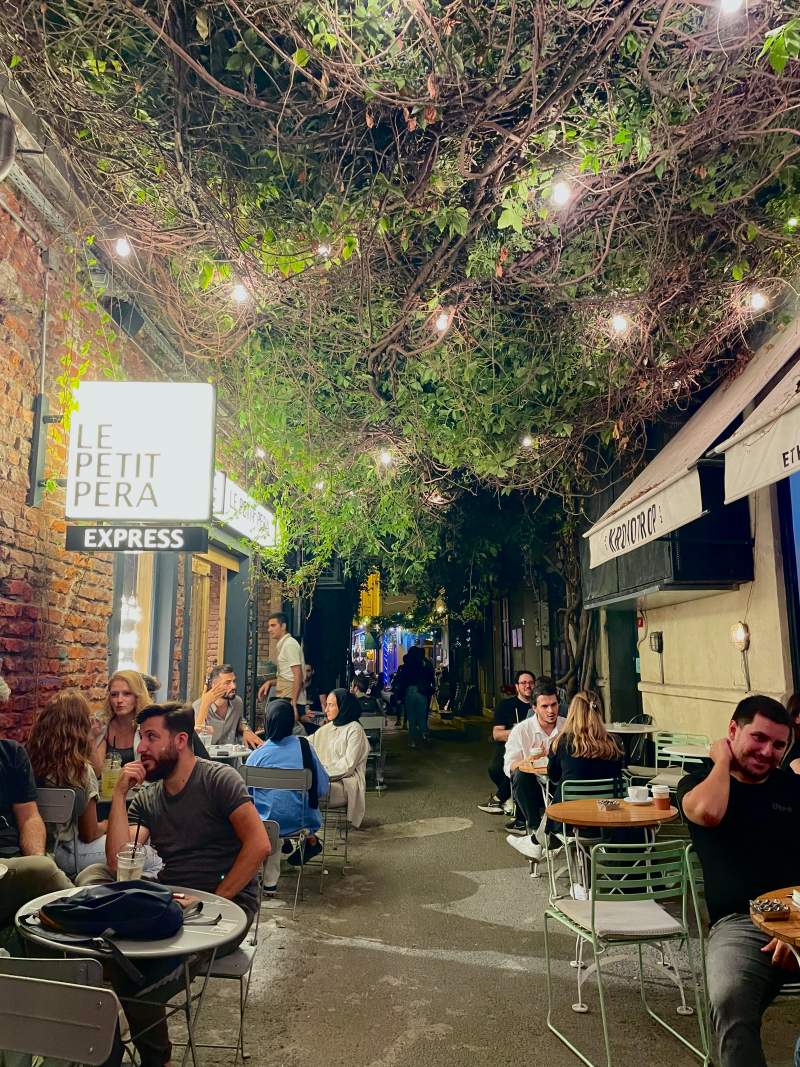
(141, 452)
(137, 539)
(235, 508)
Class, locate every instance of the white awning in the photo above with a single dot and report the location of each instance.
(766, 447)
(666, 494)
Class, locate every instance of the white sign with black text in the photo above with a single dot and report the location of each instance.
(234, 508)
(141, 452)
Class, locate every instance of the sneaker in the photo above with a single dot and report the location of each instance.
(311, 849)
(492, 806)
(526, 846)
(269, 890)
(517, 826)
(508, 807)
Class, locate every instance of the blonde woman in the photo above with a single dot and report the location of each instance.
(116, 733)
(584, 748)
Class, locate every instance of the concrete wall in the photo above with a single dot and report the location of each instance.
(703, 671)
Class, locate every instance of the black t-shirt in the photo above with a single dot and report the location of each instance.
(754, 848)
(509, 712)
(17, 786)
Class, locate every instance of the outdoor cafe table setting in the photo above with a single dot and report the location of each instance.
(777, 914)
(219, 923)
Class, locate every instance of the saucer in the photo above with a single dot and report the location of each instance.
(629, 801)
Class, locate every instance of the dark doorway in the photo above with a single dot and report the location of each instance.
(623, 666)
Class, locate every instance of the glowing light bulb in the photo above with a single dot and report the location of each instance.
(527, 441)
(240, 293)
(122, 247)
(757, 301)
(561, 194)
(620, 323)
(442, 322)
(319, 486)
(260, 453)
(792, 222)
(385, 458)
(323, 251)
(730, 7)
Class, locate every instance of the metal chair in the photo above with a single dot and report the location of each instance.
(373, 728)
(648, 876)
(57, 806)
(580, 789)
(236, 966)
(669, 769)
(57, 1019)
(297, 782)
(335, 829)
(73, 971)
(273, 833)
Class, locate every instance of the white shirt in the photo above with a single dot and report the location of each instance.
(289, 655)
(524, 736)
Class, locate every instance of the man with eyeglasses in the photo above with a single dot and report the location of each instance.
(25, 870)
(508, 713)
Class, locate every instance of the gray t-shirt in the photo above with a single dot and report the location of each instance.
(225, 730)
(192, 832)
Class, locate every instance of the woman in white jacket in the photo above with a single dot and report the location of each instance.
(343, 747)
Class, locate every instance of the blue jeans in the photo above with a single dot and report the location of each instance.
(416, 712)
(742, 982)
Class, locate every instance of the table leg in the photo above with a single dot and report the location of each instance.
(192, 1016)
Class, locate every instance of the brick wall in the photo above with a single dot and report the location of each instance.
(55, 606)
(177, 652)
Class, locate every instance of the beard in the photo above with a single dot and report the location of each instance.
(163, 766)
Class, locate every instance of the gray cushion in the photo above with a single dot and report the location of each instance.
(631, 918)
(670, 776)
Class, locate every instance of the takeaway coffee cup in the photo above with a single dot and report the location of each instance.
(638, 793)
(661, 797)
(130, 862)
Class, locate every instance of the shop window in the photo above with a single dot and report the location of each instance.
(133, 610)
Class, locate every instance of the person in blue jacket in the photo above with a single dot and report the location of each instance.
(290, 809)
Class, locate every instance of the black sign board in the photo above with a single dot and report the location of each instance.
(137, 538)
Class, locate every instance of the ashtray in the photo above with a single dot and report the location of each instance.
(607, 804)
(774, 910)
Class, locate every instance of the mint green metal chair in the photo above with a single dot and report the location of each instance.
(629, 886)
(580, 789)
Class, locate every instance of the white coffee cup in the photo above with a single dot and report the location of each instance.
(638, 793)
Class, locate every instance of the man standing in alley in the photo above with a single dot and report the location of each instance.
(744, 818)
(289, 681)
(507, 714)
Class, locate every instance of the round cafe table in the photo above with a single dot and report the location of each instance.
(786, 930)
(585, 813)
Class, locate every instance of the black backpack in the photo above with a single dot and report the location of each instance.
(131, 911)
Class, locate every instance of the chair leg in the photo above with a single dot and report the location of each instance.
(549, 981)
(324, 851)
(302, 847)
(702, 1052)
(602, 999)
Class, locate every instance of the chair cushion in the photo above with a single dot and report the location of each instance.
(670, 776)
(623, 918)
(641, 772)
(235, 965)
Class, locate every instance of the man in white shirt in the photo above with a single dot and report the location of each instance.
(289, 681)
(531, 738)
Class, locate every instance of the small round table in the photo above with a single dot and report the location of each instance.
(786, 930)
(233, 754)
(683, 751)
(585, 813)
(627, 730)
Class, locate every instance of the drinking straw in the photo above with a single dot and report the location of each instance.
(136, 838)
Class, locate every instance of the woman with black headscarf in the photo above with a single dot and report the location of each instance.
(291, 810)
(343, 747)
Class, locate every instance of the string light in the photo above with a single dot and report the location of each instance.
(240, 293)
(757, 301)
(620, 323)
(561, 194)
(385, 458)
(319, 486)
(442, 322)
(792, 222)
(123, 247)
(527, 441)
(260, 453)
(730, 7)
(323, 251)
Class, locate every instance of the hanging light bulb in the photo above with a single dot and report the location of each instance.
(730, 7)
(319, 486)
(385, 458)
(260, 453)
(240, 293)
(561, 194)
(122, 247)
(442, 322)
(324, 251)
(620, 323)
(526, 441)
(792, 222)
(757, 301)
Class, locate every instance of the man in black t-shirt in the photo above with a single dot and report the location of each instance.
(507, 714)
(744, 818)
(29, 872)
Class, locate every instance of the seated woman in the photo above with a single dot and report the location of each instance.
(584, 748)
(59, 747)
(343, 747)
(117, 735)
(291, 810)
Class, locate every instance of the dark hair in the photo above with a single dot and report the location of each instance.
(793, 706)
(520, 672)
(361, 682)
(221, 668)
(151, 683)
(545, 687)
(747, 709)
(281, 617)
(178, 718)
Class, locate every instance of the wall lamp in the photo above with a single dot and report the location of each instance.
(740, 637)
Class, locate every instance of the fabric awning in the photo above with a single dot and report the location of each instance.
(766, 447)
(667, 493)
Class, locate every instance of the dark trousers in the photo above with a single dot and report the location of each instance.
(527, 793)
(502, 786)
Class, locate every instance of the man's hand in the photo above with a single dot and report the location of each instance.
(218, 689)
(251, 740)
(720, 752)
(782, 955)
(265, 688)
(132, 774)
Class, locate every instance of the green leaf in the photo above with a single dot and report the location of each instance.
(15, 61)
(510, 219)
(301, 57)
(206, 276)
